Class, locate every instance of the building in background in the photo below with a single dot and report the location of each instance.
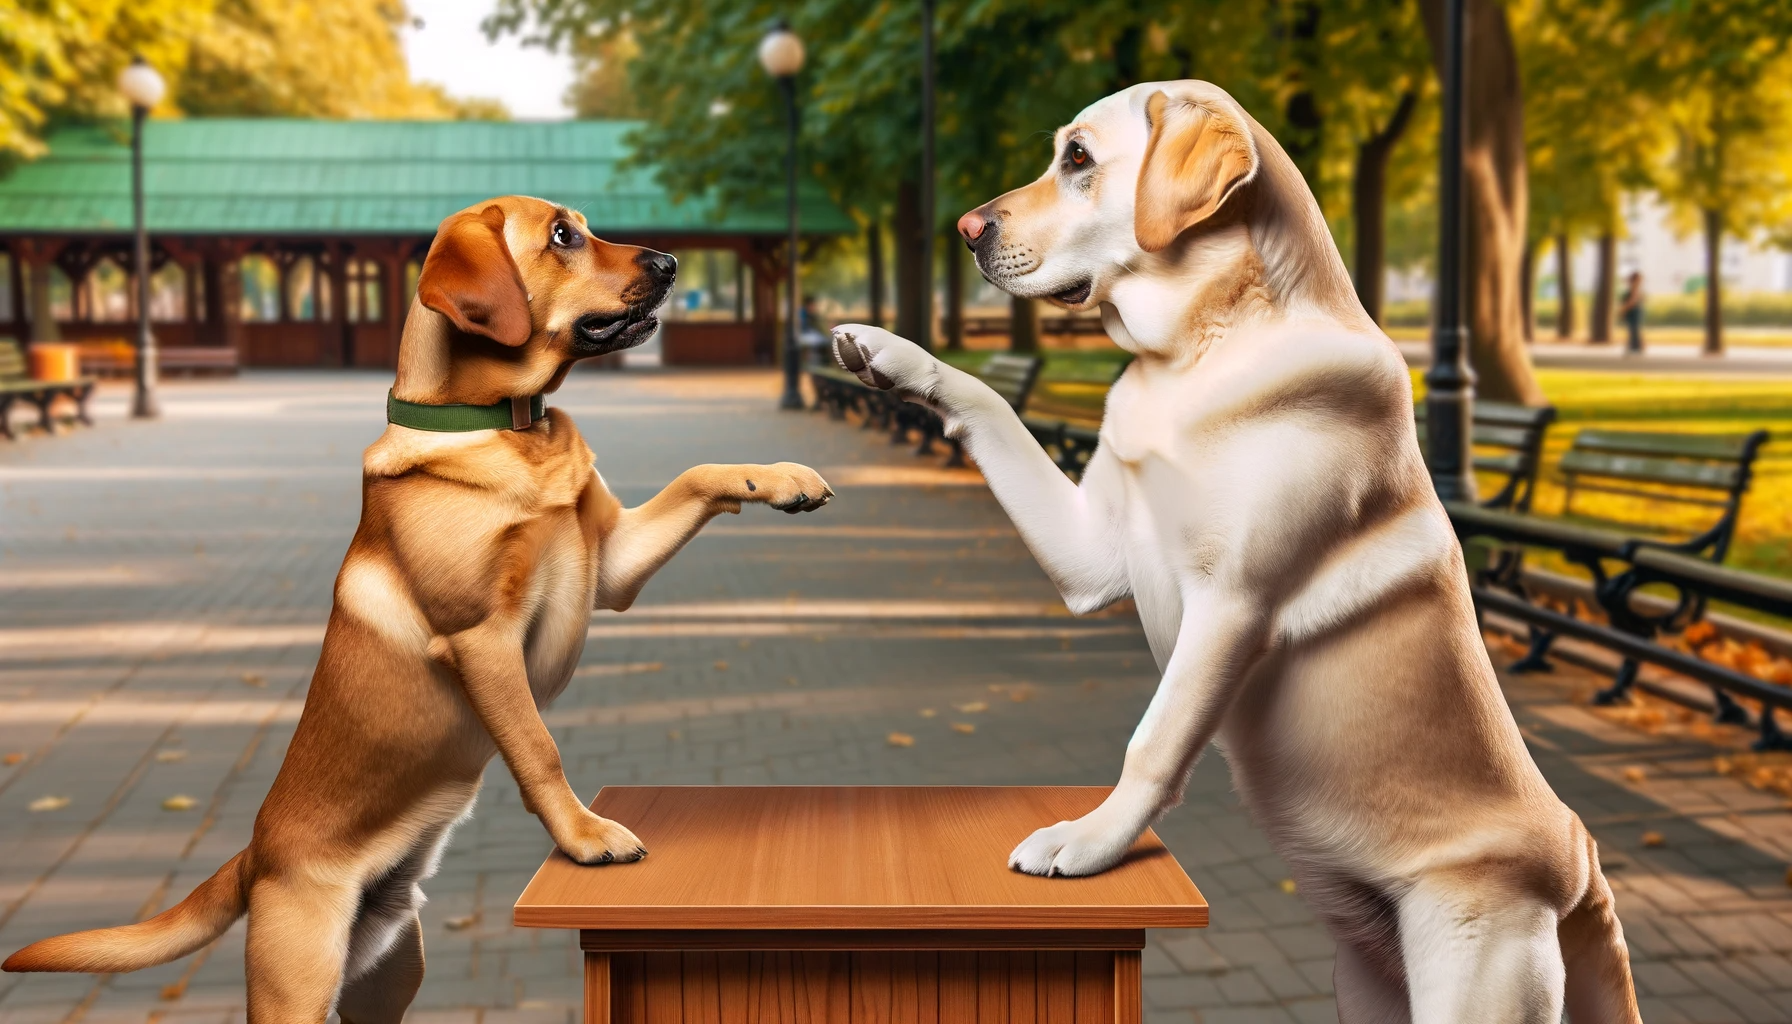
(298, 243)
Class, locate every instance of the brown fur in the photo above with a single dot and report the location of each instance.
(460, 611)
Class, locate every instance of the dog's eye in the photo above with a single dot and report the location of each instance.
(1076, 155)
(565, 236)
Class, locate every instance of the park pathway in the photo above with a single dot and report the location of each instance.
(163, 589)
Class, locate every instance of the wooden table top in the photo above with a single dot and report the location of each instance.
(862, 857)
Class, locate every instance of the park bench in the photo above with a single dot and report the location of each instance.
(1508, 442)
(17, 383)
(1070, 442)
(838, 391)
(1010, 376)
(1700, 470)
(1620, 565)
(1704, 470)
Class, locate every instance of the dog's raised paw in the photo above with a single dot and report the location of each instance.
(1067, 848)
(602, 841)
(792, 488)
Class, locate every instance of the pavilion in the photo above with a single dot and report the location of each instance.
(298, 243)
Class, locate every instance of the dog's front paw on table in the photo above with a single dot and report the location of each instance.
(1078, 847)
(788, 487)
(881, 359)
(595, 840)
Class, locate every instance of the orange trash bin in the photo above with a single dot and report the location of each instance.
(54, 361)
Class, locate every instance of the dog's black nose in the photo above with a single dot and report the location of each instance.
(660, 266)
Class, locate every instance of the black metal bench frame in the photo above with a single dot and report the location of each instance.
(1632, 632)
(15, 385)
(1722, 463)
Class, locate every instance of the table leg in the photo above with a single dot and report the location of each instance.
(1128, 980)
(597, 988)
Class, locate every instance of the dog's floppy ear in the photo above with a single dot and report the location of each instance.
(470, 278)
(1199, 154)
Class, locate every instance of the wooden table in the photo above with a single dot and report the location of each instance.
(881, 905)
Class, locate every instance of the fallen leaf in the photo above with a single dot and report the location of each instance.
(972, 707)
(721, 666)
(170, 756)
(1635, 773)
(928, 712)
(1021, 694)
(900, 739)
(792, 681)
(13, 758)
(1654, 839)
(48, 803)
(1288, 886)
(254, 679)
(672, 734)
(462, 923)
(181, 802)
(964, 727)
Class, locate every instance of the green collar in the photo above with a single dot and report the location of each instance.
(509, 414)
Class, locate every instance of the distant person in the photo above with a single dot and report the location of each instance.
(1631, 309)
(810, 338)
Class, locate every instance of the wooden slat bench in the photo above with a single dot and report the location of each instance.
(1698, 470)
(1708, 470)
(1071, 442)
(1508, 442)
(1011, 376)
(17, 383)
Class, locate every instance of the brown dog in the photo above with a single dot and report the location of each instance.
(461, 610)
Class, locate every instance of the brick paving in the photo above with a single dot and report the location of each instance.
(163, 589)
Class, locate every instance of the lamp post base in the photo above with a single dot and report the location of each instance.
(792, 398)
(144, 406)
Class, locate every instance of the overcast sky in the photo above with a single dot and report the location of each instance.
(450, 49)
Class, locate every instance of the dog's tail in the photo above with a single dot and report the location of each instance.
(175, 932)
(1600, 989)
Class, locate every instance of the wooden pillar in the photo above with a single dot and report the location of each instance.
(342, 353)
(229, 301)
(767, 271)
(35, 256)
(392, 262)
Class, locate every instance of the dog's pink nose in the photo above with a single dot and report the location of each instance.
(971, 225)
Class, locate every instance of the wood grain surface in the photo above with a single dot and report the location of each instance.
(875, 987)
(872, 857)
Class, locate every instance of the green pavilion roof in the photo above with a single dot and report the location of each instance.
(240, 176)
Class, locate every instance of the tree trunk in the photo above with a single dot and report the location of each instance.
(1599, 329)
(874, 260)
(1023, 324)
(954, 257)
(1527, 291)
(1369, 206)
(1714, 283)
(911, 304)
(1495, 197)
(1303, 140)
(1564, 288)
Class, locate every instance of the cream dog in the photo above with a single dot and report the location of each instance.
(1260, 493)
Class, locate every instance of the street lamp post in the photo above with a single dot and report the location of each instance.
(925, 242)
(1450, 383)
(781, 54)
(143, 88)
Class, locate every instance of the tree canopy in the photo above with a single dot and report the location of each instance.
(302, 58)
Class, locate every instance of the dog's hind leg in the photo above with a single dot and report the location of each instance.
(298, 942)
(1365, 993)
(382, 994)
(1477, 949)
(1599, 987)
